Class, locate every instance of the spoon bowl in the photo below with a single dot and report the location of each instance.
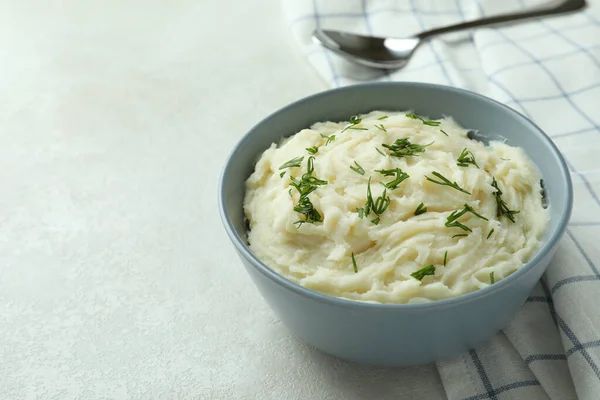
(394, 53)
(375, 52)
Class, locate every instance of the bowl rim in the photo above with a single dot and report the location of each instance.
(262, 268)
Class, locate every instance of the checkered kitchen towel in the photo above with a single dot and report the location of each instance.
(549, 70)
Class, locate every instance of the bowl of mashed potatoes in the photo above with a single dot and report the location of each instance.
(395, 223)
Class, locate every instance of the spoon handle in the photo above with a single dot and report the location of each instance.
(550, 9)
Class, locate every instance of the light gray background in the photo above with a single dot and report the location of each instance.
(116, 278)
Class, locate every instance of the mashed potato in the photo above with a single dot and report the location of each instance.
(393, 208)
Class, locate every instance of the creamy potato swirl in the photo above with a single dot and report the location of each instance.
(393, 250)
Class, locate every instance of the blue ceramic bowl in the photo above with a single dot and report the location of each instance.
(397, 334)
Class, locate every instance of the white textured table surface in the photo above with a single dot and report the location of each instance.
(116, 278)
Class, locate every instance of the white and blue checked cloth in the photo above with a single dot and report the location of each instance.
(549, 70)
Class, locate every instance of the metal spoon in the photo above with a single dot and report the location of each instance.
(394, 53)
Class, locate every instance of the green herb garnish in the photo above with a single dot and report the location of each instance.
(445, 182)
(445, 257)
(501, 207)
(378, 206)
(375, 221)
(421, 209)
(420, 274)
(293, 163)
(361, 212)
(470, 209)
(424, 121)
(400, 177)
(380, 152)
(460, 235)
(466, 158)
(354, 264)
(455, 224)
(329, 138)
(306, 207)
(305, 186)
(490, 234)
(381, 127)
(310, 165)
(451, 221)
(382, 118)
(543, 194)
(404, 148)
(282, 174)
(358, 169)
(312, 150)
(492, 280)
(444, 132)
(354, 120)
(381, 204)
